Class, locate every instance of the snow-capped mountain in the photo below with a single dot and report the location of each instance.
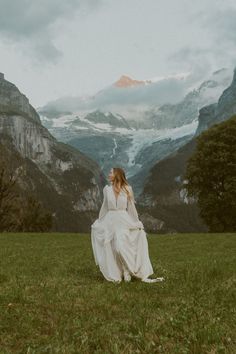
(131, 98)
(126, 95)
(134, 123)
(125, 81)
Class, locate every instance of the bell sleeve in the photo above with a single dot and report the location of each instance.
(131, 209)
(104, 207)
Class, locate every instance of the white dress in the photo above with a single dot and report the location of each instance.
(118, 238)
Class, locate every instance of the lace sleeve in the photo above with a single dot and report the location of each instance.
(104, 207)
(131, 209)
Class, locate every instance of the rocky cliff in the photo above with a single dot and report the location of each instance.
(66, 181)
(220, 111)
(12, 101)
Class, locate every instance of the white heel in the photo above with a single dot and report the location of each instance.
(147, 280)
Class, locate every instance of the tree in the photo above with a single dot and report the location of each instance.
(17, 211)
(211, 176)
(33, 217)
(8, 196)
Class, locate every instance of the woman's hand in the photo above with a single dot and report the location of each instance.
(141, 225)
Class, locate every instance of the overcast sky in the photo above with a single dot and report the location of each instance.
(54, 48)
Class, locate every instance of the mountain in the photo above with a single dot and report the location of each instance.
(132, 98)
(13, 102)
(187, 110)
(220, 111)
(164, 195)
(126, 96)
(137, 133)
(63, 179)
(125, 81)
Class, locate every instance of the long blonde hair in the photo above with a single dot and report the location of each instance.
(120, 182)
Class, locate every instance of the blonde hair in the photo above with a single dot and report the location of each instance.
(120, 182)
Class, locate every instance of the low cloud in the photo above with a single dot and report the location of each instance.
(33, 24)
(219, 27)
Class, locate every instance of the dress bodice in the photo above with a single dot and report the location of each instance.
(116, 202)
(119, 203)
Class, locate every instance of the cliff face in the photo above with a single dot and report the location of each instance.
(12, 101)
(226, 106)
(66, 181)
(220, 111)
(164, 195)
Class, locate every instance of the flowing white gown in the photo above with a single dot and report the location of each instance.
(118, 238)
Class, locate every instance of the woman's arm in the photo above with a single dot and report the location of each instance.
(131, 209)
(104, 207)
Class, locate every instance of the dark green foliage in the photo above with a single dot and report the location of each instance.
(8, 198)
(33, 217)
(17, 211)
(211, 176)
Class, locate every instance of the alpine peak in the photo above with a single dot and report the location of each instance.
(126, 81)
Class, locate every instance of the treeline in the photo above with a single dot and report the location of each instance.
(19, 211)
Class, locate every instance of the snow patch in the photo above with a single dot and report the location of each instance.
(61, 122)
(64, 165)
(114, 148)
(143, 138)
(179, 76)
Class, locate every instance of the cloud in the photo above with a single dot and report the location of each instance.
(218, 46)
(222, 25)
(33, 25)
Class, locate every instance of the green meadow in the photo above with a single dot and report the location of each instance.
(55, 300)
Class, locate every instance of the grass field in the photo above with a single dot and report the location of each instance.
(55, 300)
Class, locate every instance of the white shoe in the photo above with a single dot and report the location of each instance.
(147, 280)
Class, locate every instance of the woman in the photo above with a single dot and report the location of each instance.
(118, 238)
